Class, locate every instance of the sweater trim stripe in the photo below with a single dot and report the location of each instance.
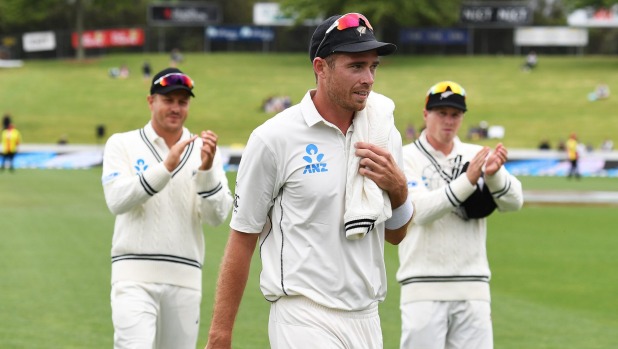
(205, 194)
(433, 161)
(367, 222)
(452, 197)
(458, 278)
(150, 146)
(157, 258)
(149, 190)
(503, 191)
(185, 158)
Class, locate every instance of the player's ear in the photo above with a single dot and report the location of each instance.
(150, 99)
(319, 64)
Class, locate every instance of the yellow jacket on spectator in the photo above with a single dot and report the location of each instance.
(10, 140)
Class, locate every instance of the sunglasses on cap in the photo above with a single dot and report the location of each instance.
(174, 79)
(444, 86)
(446, 94)
(349, 20)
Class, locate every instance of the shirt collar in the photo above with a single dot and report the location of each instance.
(308, 109)
(311, 114)
(456, 145)
(153, 137)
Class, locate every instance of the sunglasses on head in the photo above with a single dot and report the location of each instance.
(444, 86)
(174, 79)
(349, 20)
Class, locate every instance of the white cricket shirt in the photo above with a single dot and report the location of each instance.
(291, 189)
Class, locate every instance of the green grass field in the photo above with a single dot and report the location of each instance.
(554, 283)
(51, 98)
(548, 287)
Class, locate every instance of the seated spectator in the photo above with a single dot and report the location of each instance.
(544, 145)
(276, 104)
(124, 71)
(64, 139)
(607, 145)
(600, 92)
(531, 61)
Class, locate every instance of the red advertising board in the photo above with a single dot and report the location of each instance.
(110, 38)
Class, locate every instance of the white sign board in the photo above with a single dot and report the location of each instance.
(269, 13)
(589, 17)
(550, 36)
(39, 41)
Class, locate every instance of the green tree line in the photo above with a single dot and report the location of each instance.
(31, 15)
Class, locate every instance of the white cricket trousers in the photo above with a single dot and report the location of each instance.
(299, 323)
(154, 316)
(446, 325)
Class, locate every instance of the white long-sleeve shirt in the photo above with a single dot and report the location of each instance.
(158, 234)
(443, 256)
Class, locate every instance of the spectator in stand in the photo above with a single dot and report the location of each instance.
(531, 61)
(607, 145)
(601, 92)
(544, 145)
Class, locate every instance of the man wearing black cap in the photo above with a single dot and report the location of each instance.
(163, 184)
(324, 285)
(443, 270)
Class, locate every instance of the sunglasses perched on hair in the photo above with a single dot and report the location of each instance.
(349, 20)
(174, 79)
(444, 86)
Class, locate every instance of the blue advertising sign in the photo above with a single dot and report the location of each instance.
(433, 36)
(240, 33)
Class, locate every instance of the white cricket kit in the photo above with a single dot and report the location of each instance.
(443, 267)
(443, 256)
(291, 189)
(158, 235)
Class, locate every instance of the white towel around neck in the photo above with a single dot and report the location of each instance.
(365, 203)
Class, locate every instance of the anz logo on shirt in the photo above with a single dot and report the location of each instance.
(140, 166)
(413, 183)
(314, 160)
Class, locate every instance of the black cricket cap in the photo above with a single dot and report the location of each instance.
(354, 39)
(177, 84)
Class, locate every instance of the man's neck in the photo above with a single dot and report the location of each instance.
(444, 148)
(341, 118)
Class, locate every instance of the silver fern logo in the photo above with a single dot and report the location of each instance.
(446, 94)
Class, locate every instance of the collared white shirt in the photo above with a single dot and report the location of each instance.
(291, 189)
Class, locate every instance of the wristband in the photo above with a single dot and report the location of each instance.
(401, 216)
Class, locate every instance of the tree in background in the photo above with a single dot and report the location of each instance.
(401, 12)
